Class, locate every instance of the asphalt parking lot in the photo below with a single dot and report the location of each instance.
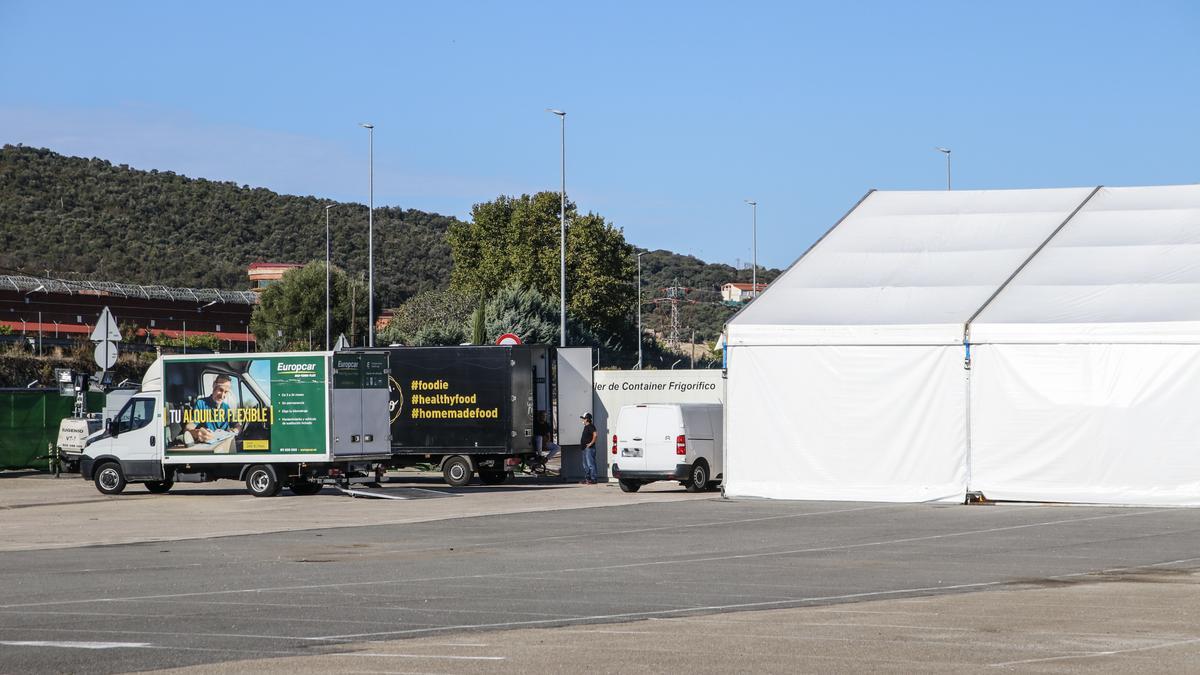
(598, 583)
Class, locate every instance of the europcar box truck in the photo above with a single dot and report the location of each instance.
(295, 420)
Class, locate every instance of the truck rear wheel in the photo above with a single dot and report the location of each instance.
(698, 478)
(261, 481)
(304, 487)
(630, 485)
(457, 471)
(109, 479)
(159, 487)
(492, 477)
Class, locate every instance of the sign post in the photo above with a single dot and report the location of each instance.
(106, 336)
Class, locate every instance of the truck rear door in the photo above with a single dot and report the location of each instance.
(663, 428)
(631, 439)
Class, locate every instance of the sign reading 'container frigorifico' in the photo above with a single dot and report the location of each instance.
(219, 405)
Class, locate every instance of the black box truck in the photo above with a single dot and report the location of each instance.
(470, 409)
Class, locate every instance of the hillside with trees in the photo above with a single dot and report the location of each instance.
(77, 218)
(699, 300)
(69, 217)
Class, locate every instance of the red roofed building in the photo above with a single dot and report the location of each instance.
(263, 274)
(53, 312)
(739, 292)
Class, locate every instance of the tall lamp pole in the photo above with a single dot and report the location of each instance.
(639, 338)
(371, 241)
(327, 343)
(753, 248)
(946, 152)
(562, 226)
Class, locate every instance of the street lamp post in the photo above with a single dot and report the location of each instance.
(639, 301)
(371, 241)
(946, 152)
(753, 248)
(562, 234)
(330, 206)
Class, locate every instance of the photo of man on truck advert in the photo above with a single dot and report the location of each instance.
(215, 406)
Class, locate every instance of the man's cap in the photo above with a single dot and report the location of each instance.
(585, 416)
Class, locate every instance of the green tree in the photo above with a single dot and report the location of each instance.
(530, 315)
(422, 313)
(515, 240)
(291, 312)
(439, 335)
(478, 328)
(207, 341)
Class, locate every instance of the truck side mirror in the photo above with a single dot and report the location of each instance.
(110, 427)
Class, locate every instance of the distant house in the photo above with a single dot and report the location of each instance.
(738, 292)
(263, 274)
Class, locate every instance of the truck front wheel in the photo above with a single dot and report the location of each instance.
(261, 481)
(109, 479)
(457, 471)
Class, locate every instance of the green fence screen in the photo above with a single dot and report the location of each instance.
(29, 424)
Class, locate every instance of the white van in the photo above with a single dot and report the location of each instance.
(668, 441)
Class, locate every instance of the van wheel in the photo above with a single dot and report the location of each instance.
(109, 479)
(261, 481)
(492, 477)
(159, 487)
(304, 487)
(630, 485)
(698, 478)
(457, 471)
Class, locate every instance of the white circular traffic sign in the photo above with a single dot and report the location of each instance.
(106, 354)
(508, 339)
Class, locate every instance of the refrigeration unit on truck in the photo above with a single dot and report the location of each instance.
(472, 409)
(297, 420)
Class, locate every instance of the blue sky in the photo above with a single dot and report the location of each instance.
(677, 112)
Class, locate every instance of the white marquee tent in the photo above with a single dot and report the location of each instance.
(1078, 310)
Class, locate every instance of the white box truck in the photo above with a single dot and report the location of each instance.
(668, 441)
(295, 420)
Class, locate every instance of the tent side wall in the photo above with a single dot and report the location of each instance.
(849, 423)
(1087, 365)
(1094, 423)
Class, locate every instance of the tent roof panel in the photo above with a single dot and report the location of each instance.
(1130, 256)
(912, 259)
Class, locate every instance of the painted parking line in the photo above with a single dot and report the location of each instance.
(65, 644)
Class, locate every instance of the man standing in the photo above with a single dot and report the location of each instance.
(588, 440)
